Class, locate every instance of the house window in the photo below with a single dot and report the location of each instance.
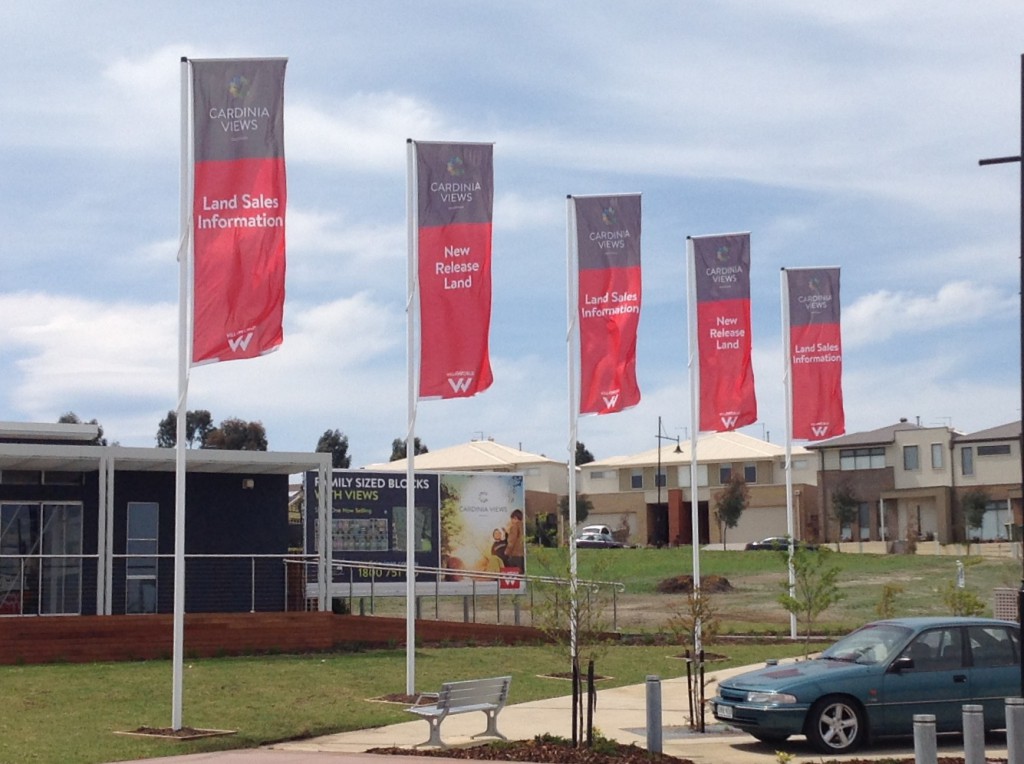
(910, 458)
(864, 520)
(862, 458)
(141, 562)
(636, 479)
(967, 460)
(1000, 450)
(63, 478)
(597, 475)
(936, 456)
(40, 559)
(724, 473)
(21, 477)
(659, 479)
(750, 473)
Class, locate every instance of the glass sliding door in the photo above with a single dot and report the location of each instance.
(61, 568)
(40, 559)
(19, 571)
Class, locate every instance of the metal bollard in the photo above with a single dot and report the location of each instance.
(653, 714)
(1015, 730)
(925, 750)
(974, 734)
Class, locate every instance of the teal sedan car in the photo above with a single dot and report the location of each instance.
(873, 681)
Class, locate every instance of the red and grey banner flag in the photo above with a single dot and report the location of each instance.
(720, 270)
(815, 352)
(238, 208)
(454, 201)
(608, 253)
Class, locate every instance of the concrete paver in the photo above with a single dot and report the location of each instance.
(621, 715)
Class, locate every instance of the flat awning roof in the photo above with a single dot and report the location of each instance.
(67, 458)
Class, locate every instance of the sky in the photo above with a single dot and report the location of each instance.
(837, 134)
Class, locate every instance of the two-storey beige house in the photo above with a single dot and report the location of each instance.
(648, 498)
(909, 480)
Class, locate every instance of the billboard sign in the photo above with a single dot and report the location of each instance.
(469, 527)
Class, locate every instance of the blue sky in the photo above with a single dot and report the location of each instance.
(836, 133)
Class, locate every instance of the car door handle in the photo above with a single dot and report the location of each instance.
(959, 678)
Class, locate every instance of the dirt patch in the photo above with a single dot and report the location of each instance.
(684, 585)
(550, 750)
(544, 749)
(184, 733)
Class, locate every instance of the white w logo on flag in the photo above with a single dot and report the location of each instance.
(240, 342)
(729, 421)
(460, 384)
(819, 430)
(610, 400)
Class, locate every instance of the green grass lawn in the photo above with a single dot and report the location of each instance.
(69, 713)
(757, 578)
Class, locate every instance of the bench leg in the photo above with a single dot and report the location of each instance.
(492, 726)
(435, 733)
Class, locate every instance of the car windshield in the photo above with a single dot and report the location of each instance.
(874, 643)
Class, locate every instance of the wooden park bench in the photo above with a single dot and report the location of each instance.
(487, 695)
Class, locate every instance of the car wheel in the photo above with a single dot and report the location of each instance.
(836, 725)
(771, 737)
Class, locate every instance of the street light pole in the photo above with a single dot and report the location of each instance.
(1020, 444)
(657, 475)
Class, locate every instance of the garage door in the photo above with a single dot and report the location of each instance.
(758, 523)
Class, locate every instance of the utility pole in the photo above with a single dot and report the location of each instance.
(1020, 444)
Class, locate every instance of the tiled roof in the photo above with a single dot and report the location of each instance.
(477, 454)
(711, 448)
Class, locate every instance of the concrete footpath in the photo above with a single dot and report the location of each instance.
(621, 715)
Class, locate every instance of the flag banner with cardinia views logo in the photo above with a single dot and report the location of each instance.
(815, 353)
(238, 208)
(454, 201)
(608, 252)
(722, 290)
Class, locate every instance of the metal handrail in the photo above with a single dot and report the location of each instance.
(18, 579)
(591, 586)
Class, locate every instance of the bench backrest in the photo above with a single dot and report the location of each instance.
(473, 692)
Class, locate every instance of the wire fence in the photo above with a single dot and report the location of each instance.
(453, 594)
(50, 584)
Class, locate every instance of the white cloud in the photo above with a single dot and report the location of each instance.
(881, 315)
(74, 349)
(365, 132)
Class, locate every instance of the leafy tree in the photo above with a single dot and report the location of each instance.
(961, 601)
(845, 504)
(237, 435)
(696, 622)
(335, 442)
(197, 425)
(815, 587)
(886, 607)
(583, 507)
(583, 455)
(974, 504)
(70, 417)
(398, 449)
(730, 503)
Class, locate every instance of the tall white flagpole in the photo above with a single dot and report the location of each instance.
(694, 364)
(184, 263)
(787, 387)
(571, 342)
(410, 440)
